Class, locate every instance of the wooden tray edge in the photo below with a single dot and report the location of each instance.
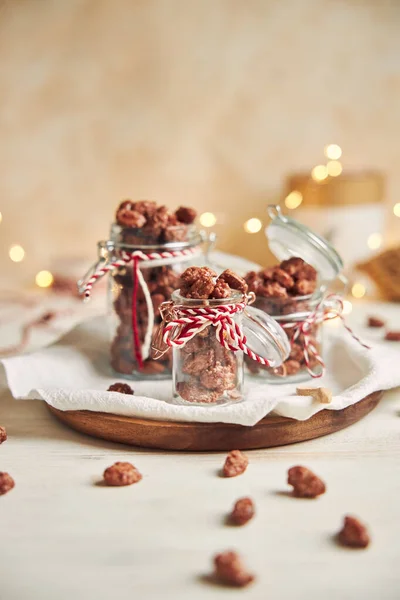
(200, 437)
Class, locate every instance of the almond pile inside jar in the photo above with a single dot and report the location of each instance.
(206, 372)
(139, 225)
(289, 293)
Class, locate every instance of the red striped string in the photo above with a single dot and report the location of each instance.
(329, 308)
(190, 321)
(136, 257)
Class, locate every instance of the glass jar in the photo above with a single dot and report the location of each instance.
(208, 366)
(143, 275)
(204, 372)
(300, 316)
(305, 340)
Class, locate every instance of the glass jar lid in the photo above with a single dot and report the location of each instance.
(265, 336)
(287, 237)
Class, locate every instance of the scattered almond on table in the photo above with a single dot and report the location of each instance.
(305, 483)
(392, 336)
(321, 394)
(375, 322)
(235, 464)
(3, 434)
(242, 512)
(353, 533)
(6, 483)
(121, 473)
(230, 570)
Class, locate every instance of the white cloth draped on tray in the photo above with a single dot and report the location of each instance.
(74, 374)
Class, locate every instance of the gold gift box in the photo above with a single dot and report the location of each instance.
(363, 187)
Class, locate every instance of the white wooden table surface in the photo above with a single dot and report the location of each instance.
(62, 536)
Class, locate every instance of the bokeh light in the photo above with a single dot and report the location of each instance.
(396, 209)
(16, 253)
(358, 290)
(293, 200)
(374, 241)
(334, 168)
(319, 173)
(252, 225)
(208, 219)
(333, 151)
(44, 279)
(347, 307)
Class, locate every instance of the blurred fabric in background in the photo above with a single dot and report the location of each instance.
(209, 103)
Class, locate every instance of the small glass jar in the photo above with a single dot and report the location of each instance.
(288, 238)
(137, 287)
(304, 355)
(205, 371)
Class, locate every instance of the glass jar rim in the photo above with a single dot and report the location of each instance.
(196, 237)
(234, 298)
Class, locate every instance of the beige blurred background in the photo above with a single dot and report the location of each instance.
(210, 103)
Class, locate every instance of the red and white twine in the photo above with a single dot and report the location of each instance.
(189, 322)
(329, 308)
(158, 258)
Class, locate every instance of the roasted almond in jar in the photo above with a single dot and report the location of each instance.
(289, 293)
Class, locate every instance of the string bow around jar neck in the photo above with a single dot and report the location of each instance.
(330, 307)
(183, 321)
(157, 256)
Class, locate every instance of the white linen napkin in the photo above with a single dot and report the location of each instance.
(74, 374)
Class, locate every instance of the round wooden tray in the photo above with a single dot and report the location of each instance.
(173, 435)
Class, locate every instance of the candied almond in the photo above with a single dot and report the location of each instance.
(145, 207)
(219, 377)
(121, 473)
(230, 570)
(6, 483)
(305, 483)
(392, 336)
(235, 463)
(375, 322)
(242, 512)
(198, 362)
(292, 265)
(185, 215)
(304, 287)
(127, 216)
(221, 290)
(353, 533)
(191, 274)
(192, 391)
(234, 281)
(292, 367)
(296, 352)
(272, 289)
(306, 272)
(197, 282)
(283, 278)
(3, 434)
(122, 388)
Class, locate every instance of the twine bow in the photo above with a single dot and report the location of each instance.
(329, 308)
(168, 257)
(186, 323)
